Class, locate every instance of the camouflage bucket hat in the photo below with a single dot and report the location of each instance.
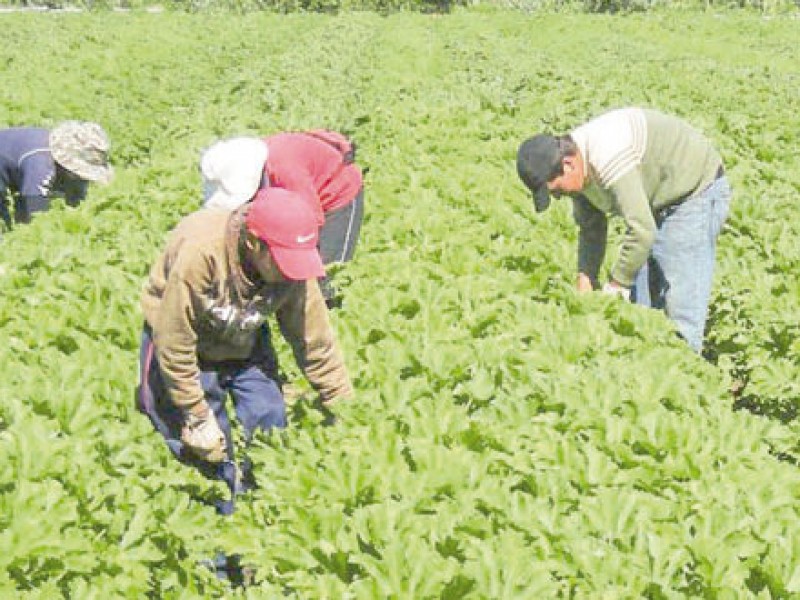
(82, 147)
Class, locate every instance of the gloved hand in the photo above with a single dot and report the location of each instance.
(615, 289)
(202, 436)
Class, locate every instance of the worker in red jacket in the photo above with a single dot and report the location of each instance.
(319, 165)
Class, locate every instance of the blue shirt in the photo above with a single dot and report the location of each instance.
(27, 167)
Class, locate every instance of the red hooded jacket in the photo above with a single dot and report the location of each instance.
(314, 165)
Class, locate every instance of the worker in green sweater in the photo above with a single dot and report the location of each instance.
(667, 182)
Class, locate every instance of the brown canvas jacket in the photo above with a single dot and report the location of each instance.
(203, 309)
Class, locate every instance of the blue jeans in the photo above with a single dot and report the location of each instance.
(678, 274)
(257, 399)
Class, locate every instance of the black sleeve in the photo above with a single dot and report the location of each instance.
(593, 230)
(27, 205)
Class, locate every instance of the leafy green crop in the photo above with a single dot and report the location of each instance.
(509, 438)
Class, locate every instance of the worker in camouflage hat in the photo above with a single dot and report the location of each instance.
(37, 164)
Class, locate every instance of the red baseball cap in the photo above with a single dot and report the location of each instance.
(285, 222)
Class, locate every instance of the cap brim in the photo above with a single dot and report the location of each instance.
(87, 172)
(298, 264)
(541, 198)
(106, 176)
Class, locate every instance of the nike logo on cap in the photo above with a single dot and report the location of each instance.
(302, 239)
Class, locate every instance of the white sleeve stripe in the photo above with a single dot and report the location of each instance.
(639, 128)
(30, 153)
(618, 166)
(616, 143)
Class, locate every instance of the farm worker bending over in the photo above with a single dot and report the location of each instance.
(205, 335)
(36, 164)
(318, 165)
(665, 180)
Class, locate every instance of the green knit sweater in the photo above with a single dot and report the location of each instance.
(639, 161)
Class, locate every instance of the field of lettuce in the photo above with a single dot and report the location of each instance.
(509, 439)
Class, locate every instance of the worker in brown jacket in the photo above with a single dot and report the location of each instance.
(205, 306)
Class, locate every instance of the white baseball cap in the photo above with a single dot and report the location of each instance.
(232, 171)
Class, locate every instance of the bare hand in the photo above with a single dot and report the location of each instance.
(584, 283)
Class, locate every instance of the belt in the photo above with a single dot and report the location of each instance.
(668, 210)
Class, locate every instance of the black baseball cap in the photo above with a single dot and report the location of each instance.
(538, 161)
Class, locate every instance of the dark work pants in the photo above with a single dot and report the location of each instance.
(339, 235)
(337, 240)
(257, 400)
